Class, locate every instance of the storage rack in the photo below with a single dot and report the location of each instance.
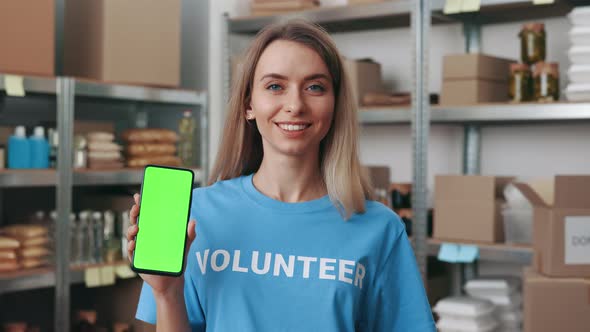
(66, 90)
(420, 14)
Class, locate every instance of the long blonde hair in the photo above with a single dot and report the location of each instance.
(240, 152)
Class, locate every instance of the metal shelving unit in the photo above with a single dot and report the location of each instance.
(66, 90)
(493, 114)
(44, 277)
(422, 13)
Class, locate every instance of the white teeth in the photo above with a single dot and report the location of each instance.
(290, 127)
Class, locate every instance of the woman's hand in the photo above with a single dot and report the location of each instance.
(161, 285)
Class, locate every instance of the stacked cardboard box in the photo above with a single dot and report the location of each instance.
(467, 207)
(474, 78)
(277, 7)
(557, 286)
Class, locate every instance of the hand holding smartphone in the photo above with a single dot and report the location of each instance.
(159, 247)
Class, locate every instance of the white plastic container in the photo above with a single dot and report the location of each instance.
(457, 325)
(579, 74)
(580, 36)
(493, 286)
(580, 16)
(518, 225)
(578, 92)
(579, 55)
(463, 307)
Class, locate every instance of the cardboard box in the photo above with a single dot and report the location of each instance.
(467, 207)
(474, 78)
(473, 91)
(561, 227)
(555, 304)
(365, 76)
(476, 66)
(133, 41)
(27, 37)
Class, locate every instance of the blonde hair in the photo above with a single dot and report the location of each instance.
(240, 152)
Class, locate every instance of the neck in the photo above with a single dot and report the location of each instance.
(290, 179)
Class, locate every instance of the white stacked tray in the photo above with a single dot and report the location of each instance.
(505, 294)
(466, 314)
(578, 88)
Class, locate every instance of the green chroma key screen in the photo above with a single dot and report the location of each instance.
(164, 211)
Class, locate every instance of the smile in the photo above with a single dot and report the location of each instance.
(293, 127)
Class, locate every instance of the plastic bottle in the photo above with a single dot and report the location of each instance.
(39, 149)
(19, 149)
(186, 128)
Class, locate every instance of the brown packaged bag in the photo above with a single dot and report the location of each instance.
(35, 241)
(7, 255)
(154, 149)
(100, 136)
(155, 160)
(147, 135)
(29, 263)
(33, 252)
(9, 265)
(8, 243)
(24, 231)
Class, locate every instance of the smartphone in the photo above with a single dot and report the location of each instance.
(166, 194)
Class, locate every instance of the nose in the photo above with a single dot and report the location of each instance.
(294, 103)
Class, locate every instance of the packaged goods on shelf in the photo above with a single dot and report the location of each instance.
(578, 92)
(533, 43)
(100, 44)
(27, 37)
(555, 304)
(103, 152)
(546, 81)
(365, 77)
(579, 55)
(151, 146)
(468, 207)
(335, 3)
(278, 7)
(561, 225)
(580, 16)
(474, 78)
(24, 246)
(465, 314)
(579, 74)
(580, 35)
(505, 293)
(517, 214)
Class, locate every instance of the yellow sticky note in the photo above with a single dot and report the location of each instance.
(471, 6)
(124, 272)
(14, 85)
(453, 6)
(543, 2)
(107, 276)
(92, 277)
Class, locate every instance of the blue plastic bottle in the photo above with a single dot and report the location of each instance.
(19, 149)
(39, 149)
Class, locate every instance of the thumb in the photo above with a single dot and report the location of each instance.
(191, 232)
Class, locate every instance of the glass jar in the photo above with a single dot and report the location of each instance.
(546, 78)
(521, 83)
(532, 43)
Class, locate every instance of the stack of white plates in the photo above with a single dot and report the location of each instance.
(505, 294)
(578, 88)
(466, 314)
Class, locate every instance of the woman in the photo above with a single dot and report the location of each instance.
(288, 239)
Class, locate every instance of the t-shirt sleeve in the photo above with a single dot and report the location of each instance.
(399, 301)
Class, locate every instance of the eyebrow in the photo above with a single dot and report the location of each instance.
(307, 78)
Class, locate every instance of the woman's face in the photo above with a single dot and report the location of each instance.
(292, 100)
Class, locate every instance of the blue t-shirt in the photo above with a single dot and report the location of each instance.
(259, 264)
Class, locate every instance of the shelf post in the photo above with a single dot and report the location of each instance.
(420, 130)
(65, 129)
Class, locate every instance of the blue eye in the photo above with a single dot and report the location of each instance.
(316, 88)
(274, 87)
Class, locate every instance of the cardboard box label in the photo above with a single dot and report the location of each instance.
(577, 240)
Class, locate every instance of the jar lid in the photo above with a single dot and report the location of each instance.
(514, 67)
(551, 68)
(536, 27)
